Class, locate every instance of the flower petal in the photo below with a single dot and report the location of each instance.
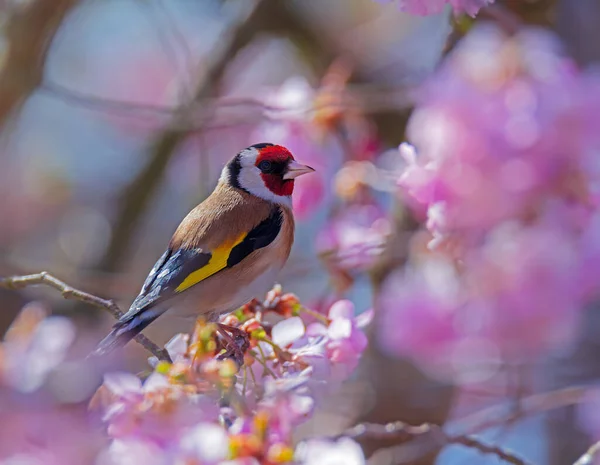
(364, 318)
(342, 309)
(287, 331)
(206, 442)
(123, 384)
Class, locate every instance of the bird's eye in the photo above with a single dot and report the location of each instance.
(265, 166)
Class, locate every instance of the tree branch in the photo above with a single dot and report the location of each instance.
(29, 34)
(416, 442)
(590, 454)
(405, 432)
(372, 100)
(70, 293)
(537, 403)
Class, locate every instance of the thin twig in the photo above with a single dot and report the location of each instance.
(172, 39)
(588, 457)
(496, 415)
(262, 362)
(70, 293)
(471, 442)
(510, 22)
(418, 441)
(408, 432)
(373, 100)
(29, 33)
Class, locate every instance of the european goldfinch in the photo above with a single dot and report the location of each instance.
(227, 250)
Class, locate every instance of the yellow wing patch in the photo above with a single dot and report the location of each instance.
(217, 262)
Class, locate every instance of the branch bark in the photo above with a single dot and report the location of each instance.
(29, 34)
(70, 293)
(417, 442)
(590, 454)
(404, 432)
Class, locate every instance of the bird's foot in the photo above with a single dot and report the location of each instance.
(237, 343)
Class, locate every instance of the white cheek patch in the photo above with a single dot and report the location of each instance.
(251, 180)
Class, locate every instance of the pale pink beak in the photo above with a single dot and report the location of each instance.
(295, 169)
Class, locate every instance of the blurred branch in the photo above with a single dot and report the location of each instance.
(507, 19)
(395, 380)
(590, 454)
(70, 293)
(407, 432)
(531, 405)
(537, 13)
(365, 98)
(577, 24)
(29, 34)
(172, 39)
(136, 196)
(428, 435)
(103, 104)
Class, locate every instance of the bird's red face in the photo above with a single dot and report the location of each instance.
(267, 171)
(278, 169)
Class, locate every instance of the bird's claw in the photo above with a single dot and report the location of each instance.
(237, 343)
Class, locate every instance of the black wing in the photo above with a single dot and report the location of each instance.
(174, 267)
(261, 236)
(169, 272)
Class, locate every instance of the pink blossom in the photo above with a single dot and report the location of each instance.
(506, 169)
(346, 339)
(34, 346)
(206, 443)
(516, 297)
(287, 404)
(156, 410)
(312, 350)
(418, 178)
(173, 415)
(527, 288)
(131, 451)
(287, 331)
(501, 131)
(330, 350)
(354, 238)
(40, 419)
(429, 7)
(36, 432)
(322, 452)
(419, 310)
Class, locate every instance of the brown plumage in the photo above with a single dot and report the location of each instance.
(221, 219)
(222, 216)
(227, 250)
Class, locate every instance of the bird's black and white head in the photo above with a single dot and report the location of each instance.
(266, 171)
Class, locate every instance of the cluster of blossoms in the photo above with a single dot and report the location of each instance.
(327, 127)
(504, 169)
(42, 417)
(200, 407)
(430, 7)
(354, 237)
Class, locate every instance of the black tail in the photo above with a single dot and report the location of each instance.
(124, 331)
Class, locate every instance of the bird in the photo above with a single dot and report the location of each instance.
(226, 251)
